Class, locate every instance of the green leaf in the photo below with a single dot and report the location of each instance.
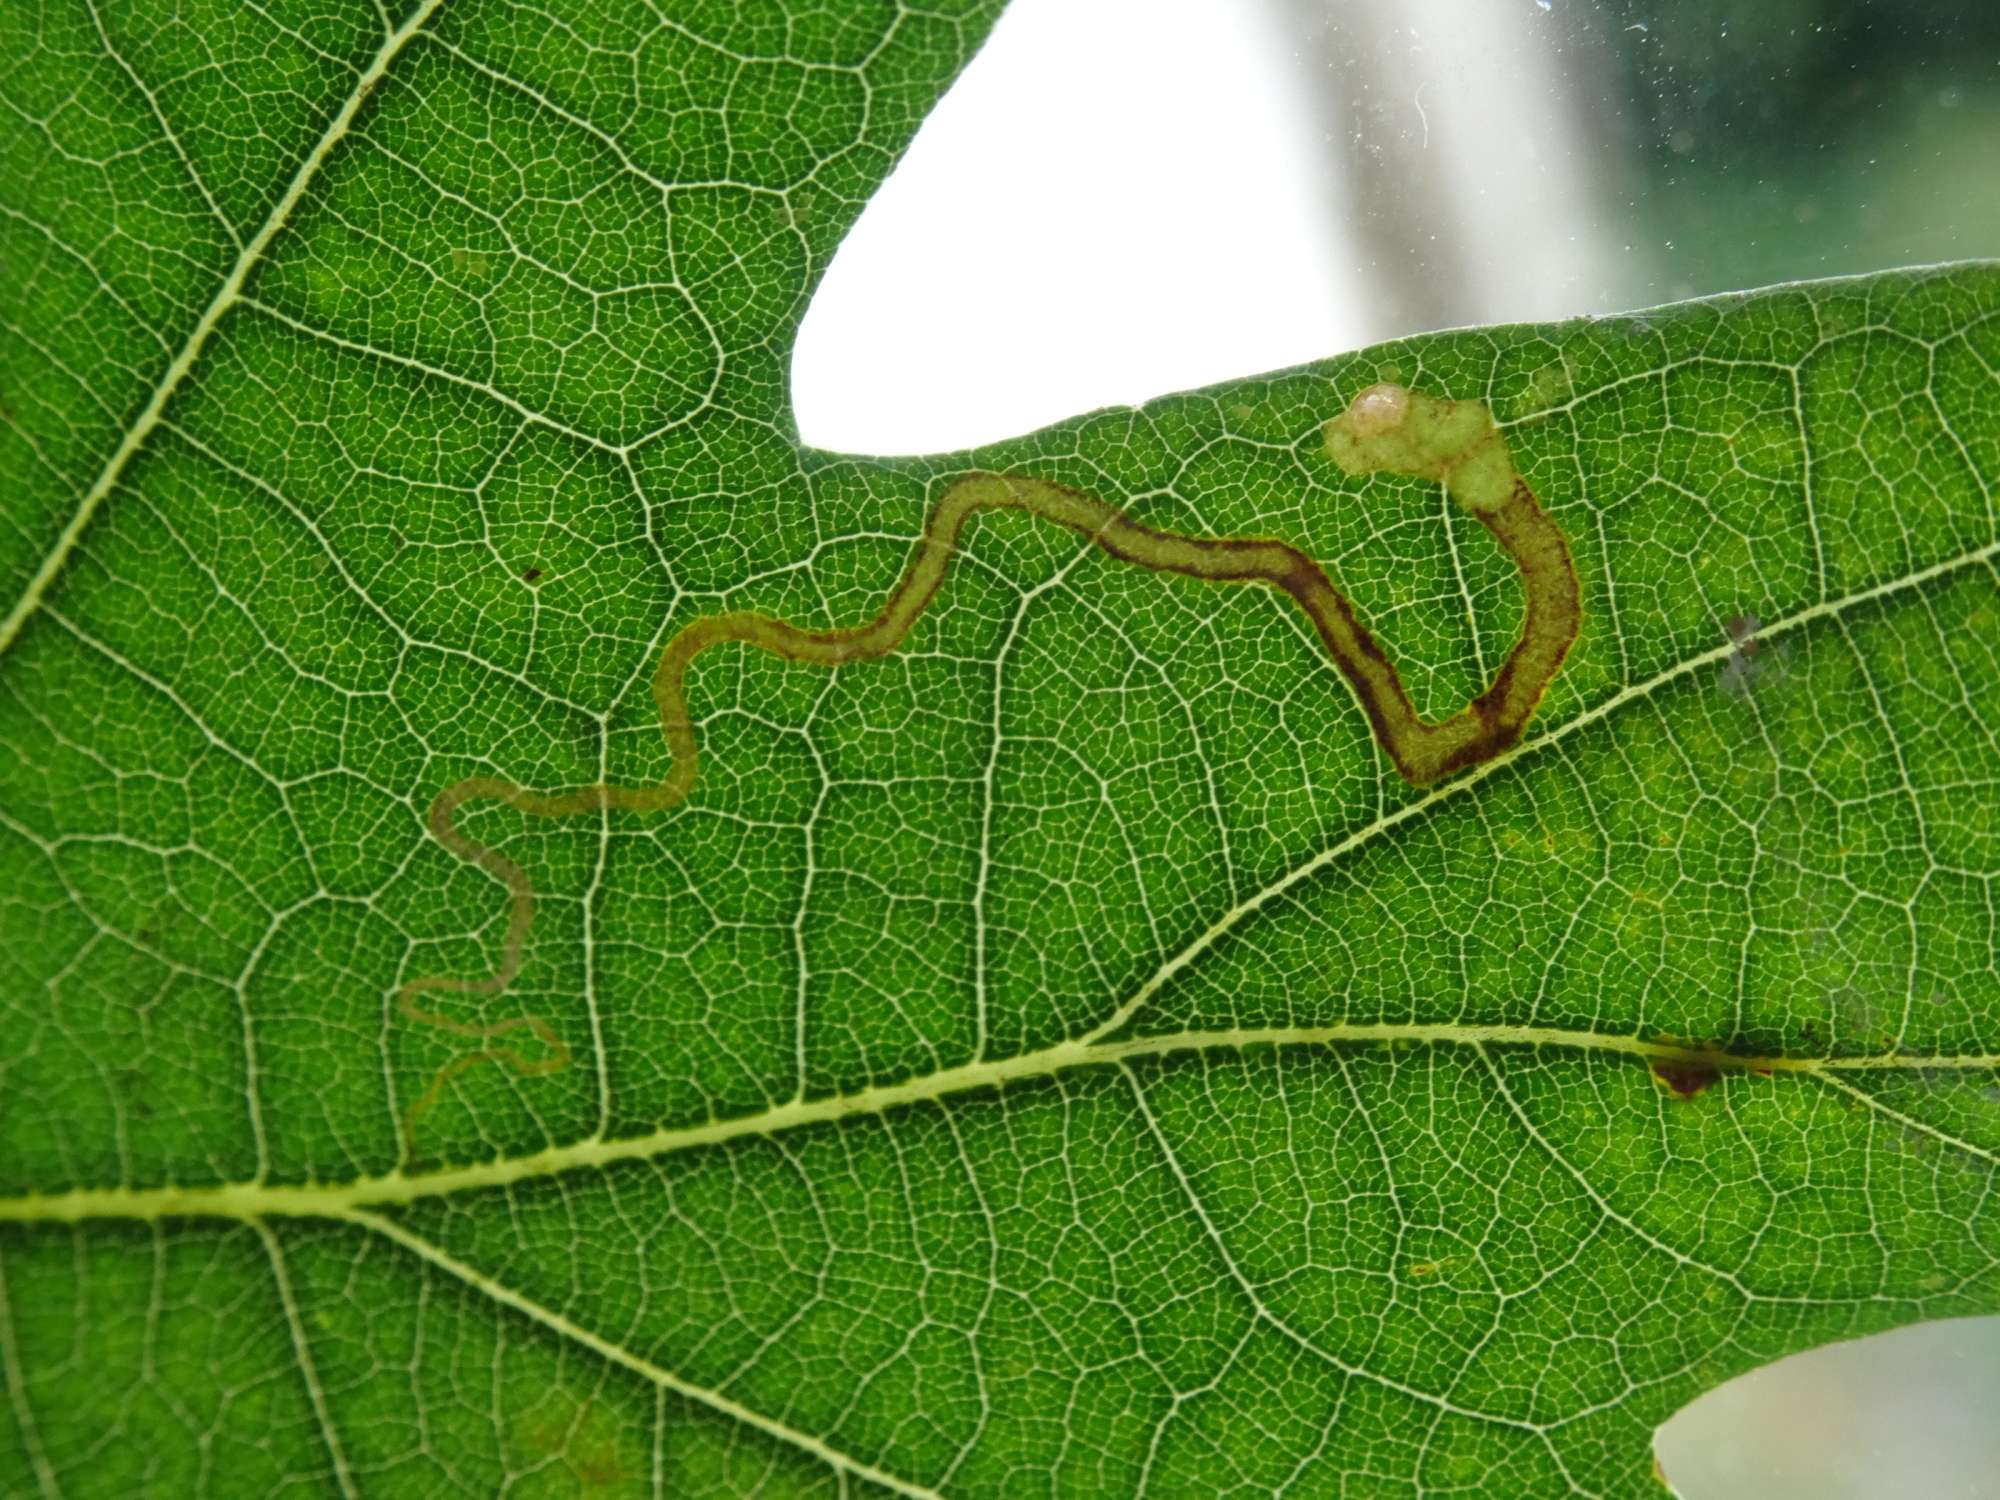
(1061, 1056)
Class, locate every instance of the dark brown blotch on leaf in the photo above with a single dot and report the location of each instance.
(1684, 1080)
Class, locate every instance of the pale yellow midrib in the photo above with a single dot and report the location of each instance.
(252, 1200)
(227, 296)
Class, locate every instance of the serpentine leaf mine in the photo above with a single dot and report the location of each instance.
(1386, 428)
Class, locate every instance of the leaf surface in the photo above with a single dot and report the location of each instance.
(1061, 1056)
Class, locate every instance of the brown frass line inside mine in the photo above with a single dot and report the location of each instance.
(1386, 428)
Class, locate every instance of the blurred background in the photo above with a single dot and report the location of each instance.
(1124, 198)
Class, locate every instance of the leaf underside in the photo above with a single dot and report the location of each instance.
(1061, 1057)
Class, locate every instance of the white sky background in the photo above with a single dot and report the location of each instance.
(1119, 199)
(1125, 198)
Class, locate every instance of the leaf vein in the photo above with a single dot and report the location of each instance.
(226, 297)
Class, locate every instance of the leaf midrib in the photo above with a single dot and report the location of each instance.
(255, 1200)
(227, 296)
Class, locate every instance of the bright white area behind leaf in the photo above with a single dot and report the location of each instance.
(1908, 1413)
(1119, 199)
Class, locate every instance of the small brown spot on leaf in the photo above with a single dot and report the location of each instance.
(1686, 1079)
(529, 575)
